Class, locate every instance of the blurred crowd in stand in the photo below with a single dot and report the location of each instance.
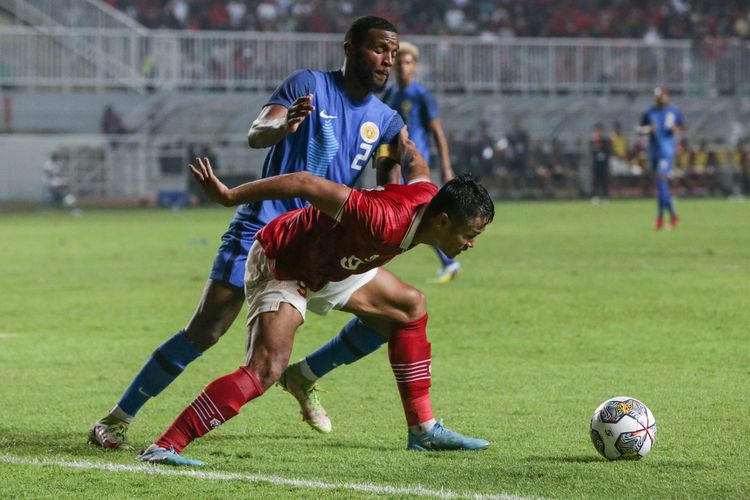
(517, 165)
(647, 19)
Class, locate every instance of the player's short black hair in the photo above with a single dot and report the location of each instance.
(463, 199)
(357, 32)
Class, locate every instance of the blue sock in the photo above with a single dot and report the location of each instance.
(356, 340)
(662, 187)
(164, 365)
(444, 259)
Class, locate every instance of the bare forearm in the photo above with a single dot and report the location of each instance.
(387, 171)
(446, 169)
(644, 129)
(266, 132)
(280, 187)
(445, 158)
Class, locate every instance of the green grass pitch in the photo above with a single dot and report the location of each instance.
(560, 306)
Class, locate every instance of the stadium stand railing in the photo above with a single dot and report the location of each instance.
(74, 35)
(141, 168)
(229, 61)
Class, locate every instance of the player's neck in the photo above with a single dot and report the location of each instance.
(425, 233)
(405, 82)
(354, 89)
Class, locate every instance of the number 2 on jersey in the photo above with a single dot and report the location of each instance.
(361, 159)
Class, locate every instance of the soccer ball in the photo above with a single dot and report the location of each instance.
(623, 428)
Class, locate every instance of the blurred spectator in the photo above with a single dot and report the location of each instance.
(619, 141)
(648, 20)
(111, 123)
(744, 165)
(601, 150)
(518, 152)
(56, 184)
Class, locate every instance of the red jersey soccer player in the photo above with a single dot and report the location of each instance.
(322, 257)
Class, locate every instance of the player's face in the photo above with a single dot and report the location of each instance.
(460, 236)
(663, 98)
(406, 66)
(374, 59)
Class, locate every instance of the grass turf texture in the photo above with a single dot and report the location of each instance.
(560, 306)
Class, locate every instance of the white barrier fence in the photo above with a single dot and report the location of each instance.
(229, 61)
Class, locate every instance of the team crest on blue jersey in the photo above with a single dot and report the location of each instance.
(369, 132)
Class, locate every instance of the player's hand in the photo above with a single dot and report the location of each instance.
(406, 147)
(644, 129)
(298, 111)
(215, 189)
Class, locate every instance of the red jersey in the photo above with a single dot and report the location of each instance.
(372, 227)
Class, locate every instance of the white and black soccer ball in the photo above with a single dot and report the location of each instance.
(623, 428)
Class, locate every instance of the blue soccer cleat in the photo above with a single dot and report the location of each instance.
(439, 438)
(157, 455)
(446, 274)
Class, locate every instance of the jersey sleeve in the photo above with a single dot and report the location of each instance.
(385, 214)
(431, 111)
(391, 132)
(364, 213)
(298, 84)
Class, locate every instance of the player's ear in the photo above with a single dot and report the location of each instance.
(442, 221)
(348, 49)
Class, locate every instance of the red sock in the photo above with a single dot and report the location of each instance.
(409, 353)
(219, 401)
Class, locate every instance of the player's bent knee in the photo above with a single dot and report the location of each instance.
(414, 304)
(202, 336)
(269, 369)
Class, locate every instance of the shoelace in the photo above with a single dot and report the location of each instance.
(314, 398)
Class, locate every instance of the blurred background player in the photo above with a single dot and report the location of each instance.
(419, 110)
(662, 122)
(601, 150)
(303, 122)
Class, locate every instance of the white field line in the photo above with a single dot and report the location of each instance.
(257, 478)
(7, 336)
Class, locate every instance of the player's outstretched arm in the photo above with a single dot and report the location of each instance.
(413, 165)
(446, 169)
(276, 121)
(325, 195)
(402, 159)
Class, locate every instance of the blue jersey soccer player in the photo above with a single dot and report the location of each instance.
(419, 110)
(662, 122)
(327, 123)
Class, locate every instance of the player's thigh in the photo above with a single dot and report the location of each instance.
(270, 341)
(387, 297)
(661, 167)
(216, 311)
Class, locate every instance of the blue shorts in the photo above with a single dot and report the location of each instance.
(661, 164)
(229, 264)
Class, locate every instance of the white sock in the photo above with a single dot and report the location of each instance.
(423, 427)
(120, 414)
(304, 368)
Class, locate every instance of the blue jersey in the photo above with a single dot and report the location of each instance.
(662, 140)
(417, 107)
(335, 142)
